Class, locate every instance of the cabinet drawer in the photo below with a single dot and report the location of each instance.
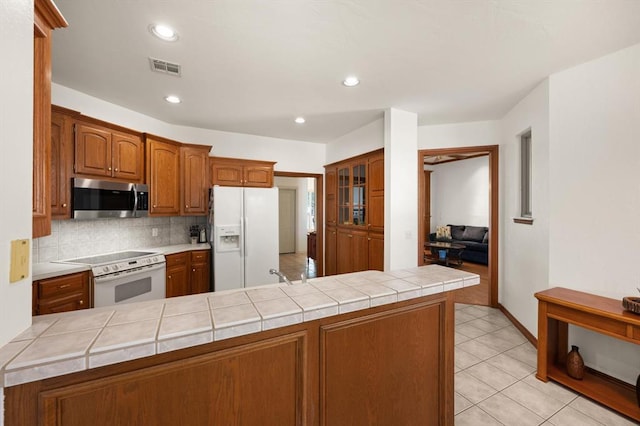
(199, 256)
(176, 259)
(55, 287)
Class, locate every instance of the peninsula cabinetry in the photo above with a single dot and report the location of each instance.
(388, 365)
(46, 19)
(61, 294)
(108, 153)
(238, 172)
(355, 214)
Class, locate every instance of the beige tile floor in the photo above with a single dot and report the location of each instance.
(495, 380)
(293, 264)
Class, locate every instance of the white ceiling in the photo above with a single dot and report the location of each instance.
(252, 66)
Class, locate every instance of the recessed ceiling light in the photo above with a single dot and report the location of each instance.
(300, 120)
(172, 99)
(163, 32)
(351, 81)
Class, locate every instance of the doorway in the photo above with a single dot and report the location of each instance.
(287, 219)
(488, 274)
(314, 267)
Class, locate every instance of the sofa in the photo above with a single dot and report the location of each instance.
(475, 239)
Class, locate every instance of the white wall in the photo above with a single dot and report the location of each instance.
(291, 156)
(362, 140)
(300, 185)
(455, 135)
(595, 195)
(16, 165)
(524, 249)
(400, 189)
(16, 141)
(460, 193)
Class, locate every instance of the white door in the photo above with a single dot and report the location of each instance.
(287, 214)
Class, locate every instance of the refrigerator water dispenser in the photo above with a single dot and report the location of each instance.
(228, 238)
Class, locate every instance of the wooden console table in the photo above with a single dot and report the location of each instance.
(557, 308)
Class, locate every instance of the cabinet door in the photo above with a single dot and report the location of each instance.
(344, 195)
(62, 294)
(385, 369)
(375, 190)
(61, 165)
(199, 278)
(376, 251)
(330, 256)
(359, 251)
(226, 174)
(344, 247)
(194, 181)
(128, 157)
(258, 176)
(331, 206)
(177, 282)
(92, 150)
(163, 160)
(359, 213)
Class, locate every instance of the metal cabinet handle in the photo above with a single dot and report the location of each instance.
(64, 286)
(109, 169)
(116, 169)
(350, 236)
(81, 302)
(193, 270)
(169, 277)
(154, 206)
(64, 205)
(186, 207)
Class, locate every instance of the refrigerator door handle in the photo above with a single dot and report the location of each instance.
(246, 233)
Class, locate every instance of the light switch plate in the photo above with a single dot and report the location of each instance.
(20, 251)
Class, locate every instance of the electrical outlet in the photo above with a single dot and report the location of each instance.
(154, 232)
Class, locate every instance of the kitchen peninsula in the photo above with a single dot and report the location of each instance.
(363, 348)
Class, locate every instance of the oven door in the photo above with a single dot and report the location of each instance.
(135, 285)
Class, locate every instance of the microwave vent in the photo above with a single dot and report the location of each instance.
(165, 67)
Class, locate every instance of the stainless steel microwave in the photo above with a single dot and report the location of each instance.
(94, 199)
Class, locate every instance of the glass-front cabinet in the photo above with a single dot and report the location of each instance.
(352, 195)
(355, 214)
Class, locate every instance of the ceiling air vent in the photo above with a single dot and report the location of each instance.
(165, 67)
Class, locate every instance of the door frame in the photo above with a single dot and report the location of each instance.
(319, 213)
(493, 151)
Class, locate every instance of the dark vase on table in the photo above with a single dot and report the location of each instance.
(575, 364)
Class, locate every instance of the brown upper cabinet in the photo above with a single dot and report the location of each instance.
(163, 176)
(108, 153)
(46, 18)
(61, 161)
(239, 172)
(195, 185)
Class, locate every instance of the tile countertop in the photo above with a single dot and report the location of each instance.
(59, 344)
(42, 271)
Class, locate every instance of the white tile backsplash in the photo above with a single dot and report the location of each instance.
(77, 238)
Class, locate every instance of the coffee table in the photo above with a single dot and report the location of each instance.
(444, 253)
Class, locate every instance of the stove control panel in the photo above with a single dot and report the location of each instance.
(127, 265)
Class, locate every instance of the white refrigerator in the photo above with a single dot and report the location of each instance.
(244, 233)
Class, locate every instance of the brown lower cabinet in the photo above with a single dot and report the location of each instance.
(61, 294)
(188, 273)
(389, 365)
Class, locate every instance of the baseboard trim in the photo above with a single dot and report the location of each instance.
(521, 328)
